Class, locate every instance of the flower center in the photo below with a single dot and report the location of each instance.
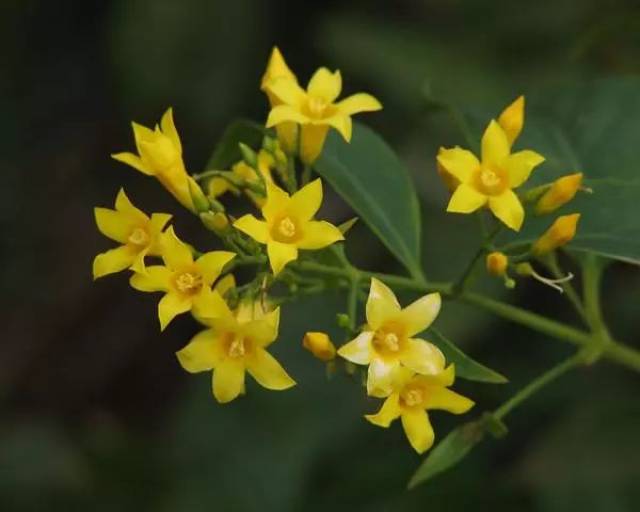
(491, 180)
(139, 237)
(316, 106)
(161, 151)
(285, 230)
(237, 348)
(388, 342)
(412, 397)
(391, 342)
(188, 282)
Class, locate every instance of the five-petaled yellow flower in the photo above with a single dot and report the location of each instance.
(315, 109)
(160, 155)
(412, 396)
(491, 181)
(138, 234)
(289, 224)
(236, 343)
(185, 281)
(388, 341)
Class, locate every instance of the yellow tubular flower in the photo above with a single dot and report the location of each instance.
(236, 343)
(560, 233)
(490, 182)
(160, 155)
(315, 109)
(277, 69)
(497, 263)
(388, 341)
(512, 120)
(412, 396)
(560, 193)
(138, 234)
(320, 345)
(185, 281)
(289, 224)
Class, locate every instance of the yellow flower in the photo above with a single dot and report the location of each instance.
(388, 341)
(316, 110)
(289, 224)
(185, 281)
(218, 186)
(497, 263)
(560, 233)
(234, 344)
(320, 345)
(512, 119)
(277, 69)
(560, 193)
(412, 396)
(138, 234)
(491, 181)
(160, 155)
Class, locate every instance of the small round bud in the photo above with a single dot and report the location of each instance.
(343, 320)
(497, 263)
(319, 344)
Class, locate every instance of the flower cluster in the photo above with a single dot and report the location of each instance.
(492, 180)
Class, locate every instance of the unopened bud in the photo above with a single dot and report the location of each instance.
(560, 233)
(512, 119)
(497, 263)
(319, 344)
(560, 193)
(216, 222)
(248, 155)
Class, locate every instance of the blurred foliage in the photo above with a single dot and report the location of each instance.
(96, 413)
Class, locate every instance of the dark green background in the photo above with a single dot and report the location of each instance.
(96, 414)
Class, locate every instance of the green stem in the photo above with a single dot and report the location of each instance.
(592, 269)
(306, 175)
(464, 279)
(569, 291)
(537, 384)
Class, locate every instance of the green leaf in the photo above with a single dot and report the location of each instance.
(228, 152)
(466, 367)
(370, 177)
(448, 452)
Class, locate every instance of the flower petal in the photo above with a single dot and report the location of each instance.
(495, 145)
(389, 411)
(175, 252)
(359, 102)
(138, 264)
(211, 264)
(284, 114)
(159, 221)
(446, 400)
(280, 254)
(256, 229)
(124, 206)
(422, 357)
(225, 284)
(380, 376)
(306, 202)
(204, 352)
(519, 166)
(460, 163)
(170, 306)
(512, 119)
(418, 429)
(382, 304)
(134, 161)
(264, 330)
(325, 84)
(209, 305)
(114, 224)
(169, 129)
(113, 261)
(466, 199)
(263, 367)
(508, 208)
(155, 279)
(277, 201)
(287, 91)
(312, 137)
(358, 350)
(228, 380)
(341, 123)
(319, 234)
(419, 315)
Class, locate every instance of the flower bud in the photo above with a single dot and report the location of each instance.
(512, 119)
(560, 233)
(497, 263)
(216, 222)
(319, 344)
(560, 193)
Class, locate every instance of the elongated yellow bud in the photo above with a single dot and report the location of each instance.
(561, 192)
(560, 233)
(512, 119)
(319, 344)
